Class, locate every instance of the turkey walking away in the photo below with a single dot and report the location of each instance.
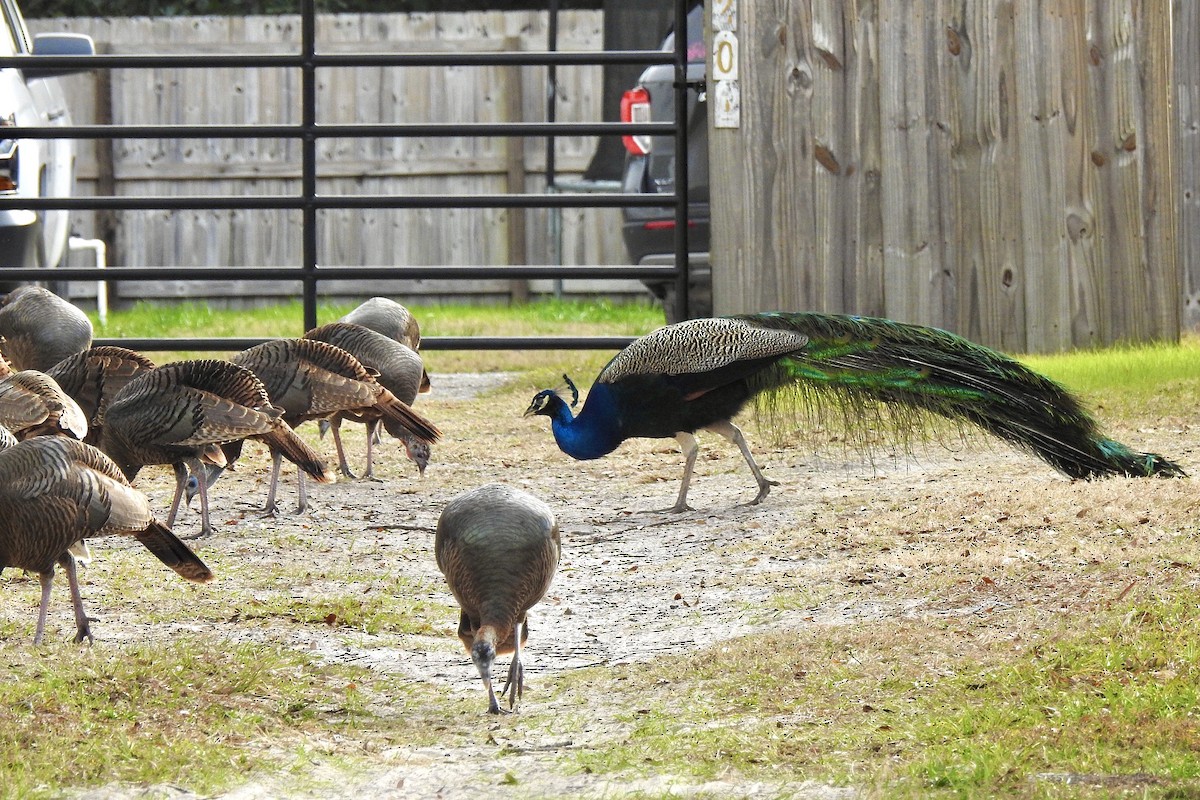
(698, 374)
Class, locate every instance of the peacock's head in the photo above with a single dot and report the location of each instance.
(543, 403)
(547, 401)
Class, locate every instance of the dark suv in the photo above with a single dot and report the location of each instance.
(649, 231)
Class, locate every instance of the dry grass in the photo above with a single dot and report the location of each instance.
(965, 623)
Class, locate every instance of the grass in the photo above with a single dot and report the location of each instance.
(1007, 703)
(1114, 703)
(184, 712)
(1153, 381)
(562, 317)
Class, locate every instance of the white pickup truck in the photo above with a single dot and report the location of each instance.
(32, 97)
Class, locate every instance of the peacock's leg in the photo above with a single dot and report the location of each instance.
(514, 684)
(687, 443)
(734, 434)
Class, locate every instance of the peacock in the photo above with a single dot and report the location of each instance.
(498, 548)
(698, 374)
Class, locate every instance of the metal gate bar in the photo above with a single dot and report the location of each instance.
(310, 273)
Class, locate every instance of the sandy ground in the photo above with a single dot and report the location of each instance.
(634, 583)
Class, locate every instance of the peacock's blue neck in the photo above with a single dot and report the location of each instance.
(595, 432)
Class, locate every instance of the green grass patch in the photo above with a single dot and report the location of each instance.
(1112, 703)
(541, 318)
(1137, 380)
(371, 612)
(185, 713)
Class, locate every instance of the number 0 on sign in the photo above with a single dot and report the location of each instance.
(725, 56)
(726, 91)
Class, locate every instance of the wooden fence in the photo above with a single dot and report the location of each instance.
(398, 166)
(1004, 170)
(1185, 16)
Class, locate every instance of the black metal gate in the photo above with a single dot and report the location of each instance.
(308, 62)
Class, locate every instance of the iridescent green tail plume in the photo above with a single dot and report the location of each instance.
(857, 362)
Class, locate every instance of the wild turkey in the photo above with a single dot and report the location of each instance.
(180, 414)
(400, 371)
(311, 379)
(93, 377)
(55, 492)
(39, 328)
(32, 404)
(698, 374)
(388, 317)
(394, 321)
(498, 548)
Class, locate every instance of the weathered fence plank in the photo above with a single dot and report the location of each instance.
(1024, 154)
(1186, 80)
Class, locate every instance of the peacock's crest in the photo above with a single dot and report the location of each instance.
(570, 385)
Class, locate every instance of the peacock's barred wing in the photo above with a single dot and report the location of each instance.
(701, 345)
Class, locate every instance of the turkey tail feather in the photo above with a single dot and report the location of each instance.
(173, 552)
(398, 413)
(859, 361)
(296, 450)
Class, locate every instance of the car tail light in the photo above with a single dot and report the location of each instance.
(635, 107)
(665, 224)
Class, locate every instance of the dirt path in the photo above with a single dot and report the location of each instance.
(634, 583)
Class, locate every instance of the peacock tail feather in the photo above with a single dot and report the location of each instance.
(876, 372)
